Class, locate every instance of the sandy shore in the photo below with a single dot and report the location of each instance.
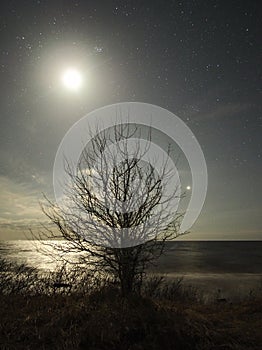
(231, 286)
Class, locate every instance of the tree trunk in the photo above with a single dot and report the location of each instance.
(126, 275)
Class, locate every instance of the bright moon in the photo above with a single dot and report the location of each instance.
(188, 188)
(72, 79)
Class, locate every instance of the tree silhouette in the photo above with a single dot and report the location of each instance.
(115, 211)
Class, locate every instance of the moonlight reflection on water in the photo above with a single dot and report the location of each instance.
(233, 267)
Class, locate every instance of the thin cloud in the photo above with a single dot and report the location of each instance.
(19, 205)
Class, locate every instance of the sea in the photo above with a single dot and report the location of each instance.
(228, 269)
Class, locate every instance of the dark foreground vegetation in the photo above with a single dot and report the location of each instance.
(45, 312)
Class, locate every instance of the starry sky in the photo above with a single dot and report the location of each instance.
(198, 59)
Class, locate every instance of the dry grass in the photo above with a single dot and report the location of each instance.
(165, 316)
(105, 321)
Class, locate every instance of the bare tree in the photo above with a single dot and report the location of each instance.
(115, 211)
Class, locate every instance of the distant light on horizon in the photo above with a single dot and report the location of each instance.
(188, 188)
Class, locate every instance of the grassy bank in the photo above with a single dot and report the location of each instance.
(89, 313)
(103, 320)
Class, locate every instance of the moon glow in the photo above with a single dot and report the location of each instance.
(72, 79)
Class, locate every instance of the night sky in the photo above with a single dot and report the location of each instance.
(198, 59)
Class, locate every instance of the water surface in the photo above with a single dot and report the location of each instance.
(234, 267)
